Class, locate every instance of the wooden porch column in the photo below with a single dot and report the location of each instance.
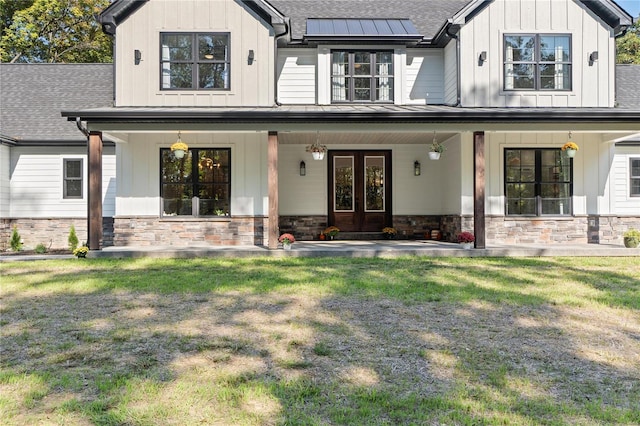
(94, 206)
(272, 159)
(479, 190)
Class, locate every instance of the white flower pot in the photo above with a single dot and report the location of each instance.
(318, 155)
(434, 155)
(178, 153)
(467, 246)
(571, 152)
(286, 246)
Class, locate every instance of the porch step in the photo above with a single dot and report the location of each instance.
(359, 236)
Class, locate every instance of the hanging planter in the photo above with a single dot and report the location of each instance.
(435, 149)
(570, 148)
(316, 149)
(179, 148)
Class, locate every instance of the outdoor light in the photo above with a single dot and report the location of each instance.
(303, 168)
(250, 57)
(483, 57)
(416, 168)
(137, 56)
(594, 56)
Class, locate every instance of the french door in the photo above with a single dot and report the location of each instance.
(360, 190)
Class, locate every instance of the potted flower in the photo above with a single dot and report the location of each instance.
(632, 238)
(317, 151)
(389, 233)
(179, 148)
(466, 239)
(331, 232)
(287, 240)
(570, 148)
(435, 149)
(81, 251)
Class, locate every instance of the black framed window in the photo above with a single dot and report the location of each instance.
(72, 181)
(361, 76)
(537, 62)
(195, 61)
(199, 184)
(634, 177)
(538, 182)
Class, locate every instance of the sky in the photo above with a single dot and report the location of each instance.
(631, 6)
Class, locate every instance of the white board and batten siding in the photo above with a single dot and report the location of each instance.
(483, 83)
(36, 187)
(139, 164)
(139, 85)
(450, 73)
(624, 203)
(424, 77)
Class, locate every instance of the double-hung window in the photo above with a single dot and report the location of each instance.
(537, 62)
(194, 61)
(538, 182)
(198, 184)
(72, 178)
(361, 76)
(634, 177)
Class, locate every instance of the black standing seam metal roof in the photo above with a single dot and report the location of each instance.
(347, 28)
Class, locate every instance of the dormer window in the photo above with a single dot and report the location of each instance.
(194, 61)
(361, 76)
(537, 62)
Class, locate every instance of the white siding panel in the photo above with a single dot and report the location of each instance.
(297, 76)
(482, 83)
(425, 77)
(5, 169)
(624, 204)
(138, 164)
(139, 85)
(450, 73)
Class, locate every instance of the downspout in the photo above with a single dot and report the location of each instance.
(82, 127)
(285, 24)
(458, 77)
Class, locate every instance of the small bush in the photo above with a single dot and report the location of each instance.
(41, 248)
(16, 240)
(73, 238)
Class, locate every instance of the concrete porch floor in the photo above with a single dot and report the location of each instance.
(355, 249)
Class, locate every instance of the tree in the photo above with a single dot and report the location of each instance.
(628, 46)
(55, 31)
(8, 8)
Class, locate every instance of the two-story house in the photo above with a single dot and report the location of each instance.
(303, 114)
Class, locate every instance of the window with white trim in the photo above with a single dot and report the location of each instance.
(538, 182)
(361, 76)
(634, 177)
(72, 180)
(194, 61)
(537, 62)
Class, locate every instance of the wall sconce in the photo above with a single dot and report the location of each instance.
(593, 57)
(482, 58)
(250, 57)
(137, 57)
(303, 168)
(416, 168)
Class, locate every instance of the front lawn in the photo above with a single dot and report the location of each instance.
(314, 341)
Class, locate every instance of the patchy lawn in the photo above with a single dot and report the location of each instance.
(320, 341)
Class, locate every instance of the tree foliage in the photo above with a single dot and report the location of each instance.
(628, 46)
(54, 31)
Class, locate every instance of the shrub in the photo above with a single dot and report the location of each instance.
(16, 241)
(466, 237)
(41, 248)
(73, 238)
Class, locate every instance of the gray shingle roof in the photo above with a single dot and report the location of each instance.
(628, 86)
(427, 15)
(33, 95)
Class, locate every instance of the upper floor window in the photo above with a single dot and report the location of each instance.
(198, 184)
(194, 61)
(538, 182)
(361, 76)
(634, 176)
(72, 179)
(537, 62)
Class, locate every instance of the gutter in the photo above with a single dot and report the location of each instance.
(285, 32)
(81, 127)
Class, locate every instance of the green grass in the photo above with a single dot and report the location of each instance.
(304, 341)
